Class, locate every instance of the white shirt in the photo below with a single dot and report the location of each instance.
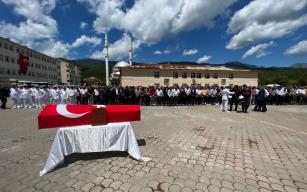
(24, 93)
(280, 92)
(14, 92)
(55, 93)
(64, 94)
(70, 92)
(225, 94)
(83, 91)
(32, 92)
(169, 93)
(187, 91)
(159, 93)
(96, 92)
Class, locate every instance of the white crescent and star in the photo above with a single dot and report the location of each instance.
(62, 110)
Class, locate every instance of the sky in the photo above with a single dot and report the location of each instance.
(260, 32)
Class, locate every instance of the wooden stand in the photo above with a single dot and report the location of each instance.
(99, 116)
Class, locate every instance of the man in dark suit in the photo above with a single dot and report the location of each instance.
(4, 94)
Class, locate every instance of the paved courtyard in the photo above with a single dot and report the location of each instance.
(193, 149)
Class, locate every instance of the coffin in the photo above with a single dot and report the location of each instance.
(54, 116)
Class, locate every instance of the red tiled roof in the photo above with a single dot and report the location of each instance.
(184, 66)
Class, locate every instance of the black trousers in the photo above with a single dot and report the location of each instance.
(245, 104)
(3, 102)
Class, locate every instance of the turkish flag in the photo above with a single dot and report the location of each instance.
(55, 116)
(23, 63)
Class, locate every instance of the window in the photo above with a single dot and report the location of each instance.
(12, 48)
(1, 70)
(223, 81)
(166, 82)
(157, 74)
(7, 59)
(207, 85)
(231, 76)
(1, 58)
(12, 60)
(5, 45)
(8, 71)
(175, 75)
(17, 50)
(157, 84)
(215, 75)
(31, 54)
(184, 75)
(193, 75)
(198, 75)
(0, 44)
(13, 72)
(184, 85)
(207, 75)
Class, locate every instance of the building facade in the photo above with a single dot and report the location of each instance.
(40, 67)
(182, 75)
(70, 73)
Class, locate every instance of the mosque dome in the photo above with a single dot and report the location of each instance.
(121, 64)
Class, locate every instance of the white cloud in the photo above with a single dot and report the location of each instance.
(198, 13)
(203, 59)
(266, 19)
(190, 52)
(86, 40)
(117, 50)
(28, 30)
(157, 52)
(51, 47)
(36, 10)
(83, 25)
(258, 50)
(299, 49)
(150, 21)
(167, 51)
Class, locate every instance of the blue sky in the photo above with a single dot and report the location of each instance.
(260, 32)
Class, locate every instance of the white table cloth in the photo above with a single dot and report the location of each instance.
(87, 138)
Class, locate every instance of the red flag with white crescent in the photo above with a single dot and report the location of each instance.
(23, 63)
(55, 116)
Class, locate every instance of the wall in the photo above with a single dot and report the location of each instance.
(145, 77)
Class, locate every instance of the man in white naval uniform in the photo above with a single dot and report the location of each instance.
(71, 95)
(225, 95)
(64, 96)
(24, 97)
(32, 97)
(15, 95)
(51, 93)
(44, 96)
(56, 95)
(38, 97)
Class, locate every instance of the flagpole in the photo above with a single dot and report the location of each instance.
(106, 56)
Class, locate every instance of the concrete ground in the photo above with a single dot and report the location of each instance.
(194, 148)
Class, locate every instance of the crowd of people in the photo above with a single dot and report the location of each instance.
(30, 96)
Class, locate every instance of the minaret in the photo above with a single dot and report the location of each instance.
(130, 52)
(106, 57)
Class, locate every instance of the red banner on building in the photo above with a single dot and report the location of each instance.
(23, 63)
